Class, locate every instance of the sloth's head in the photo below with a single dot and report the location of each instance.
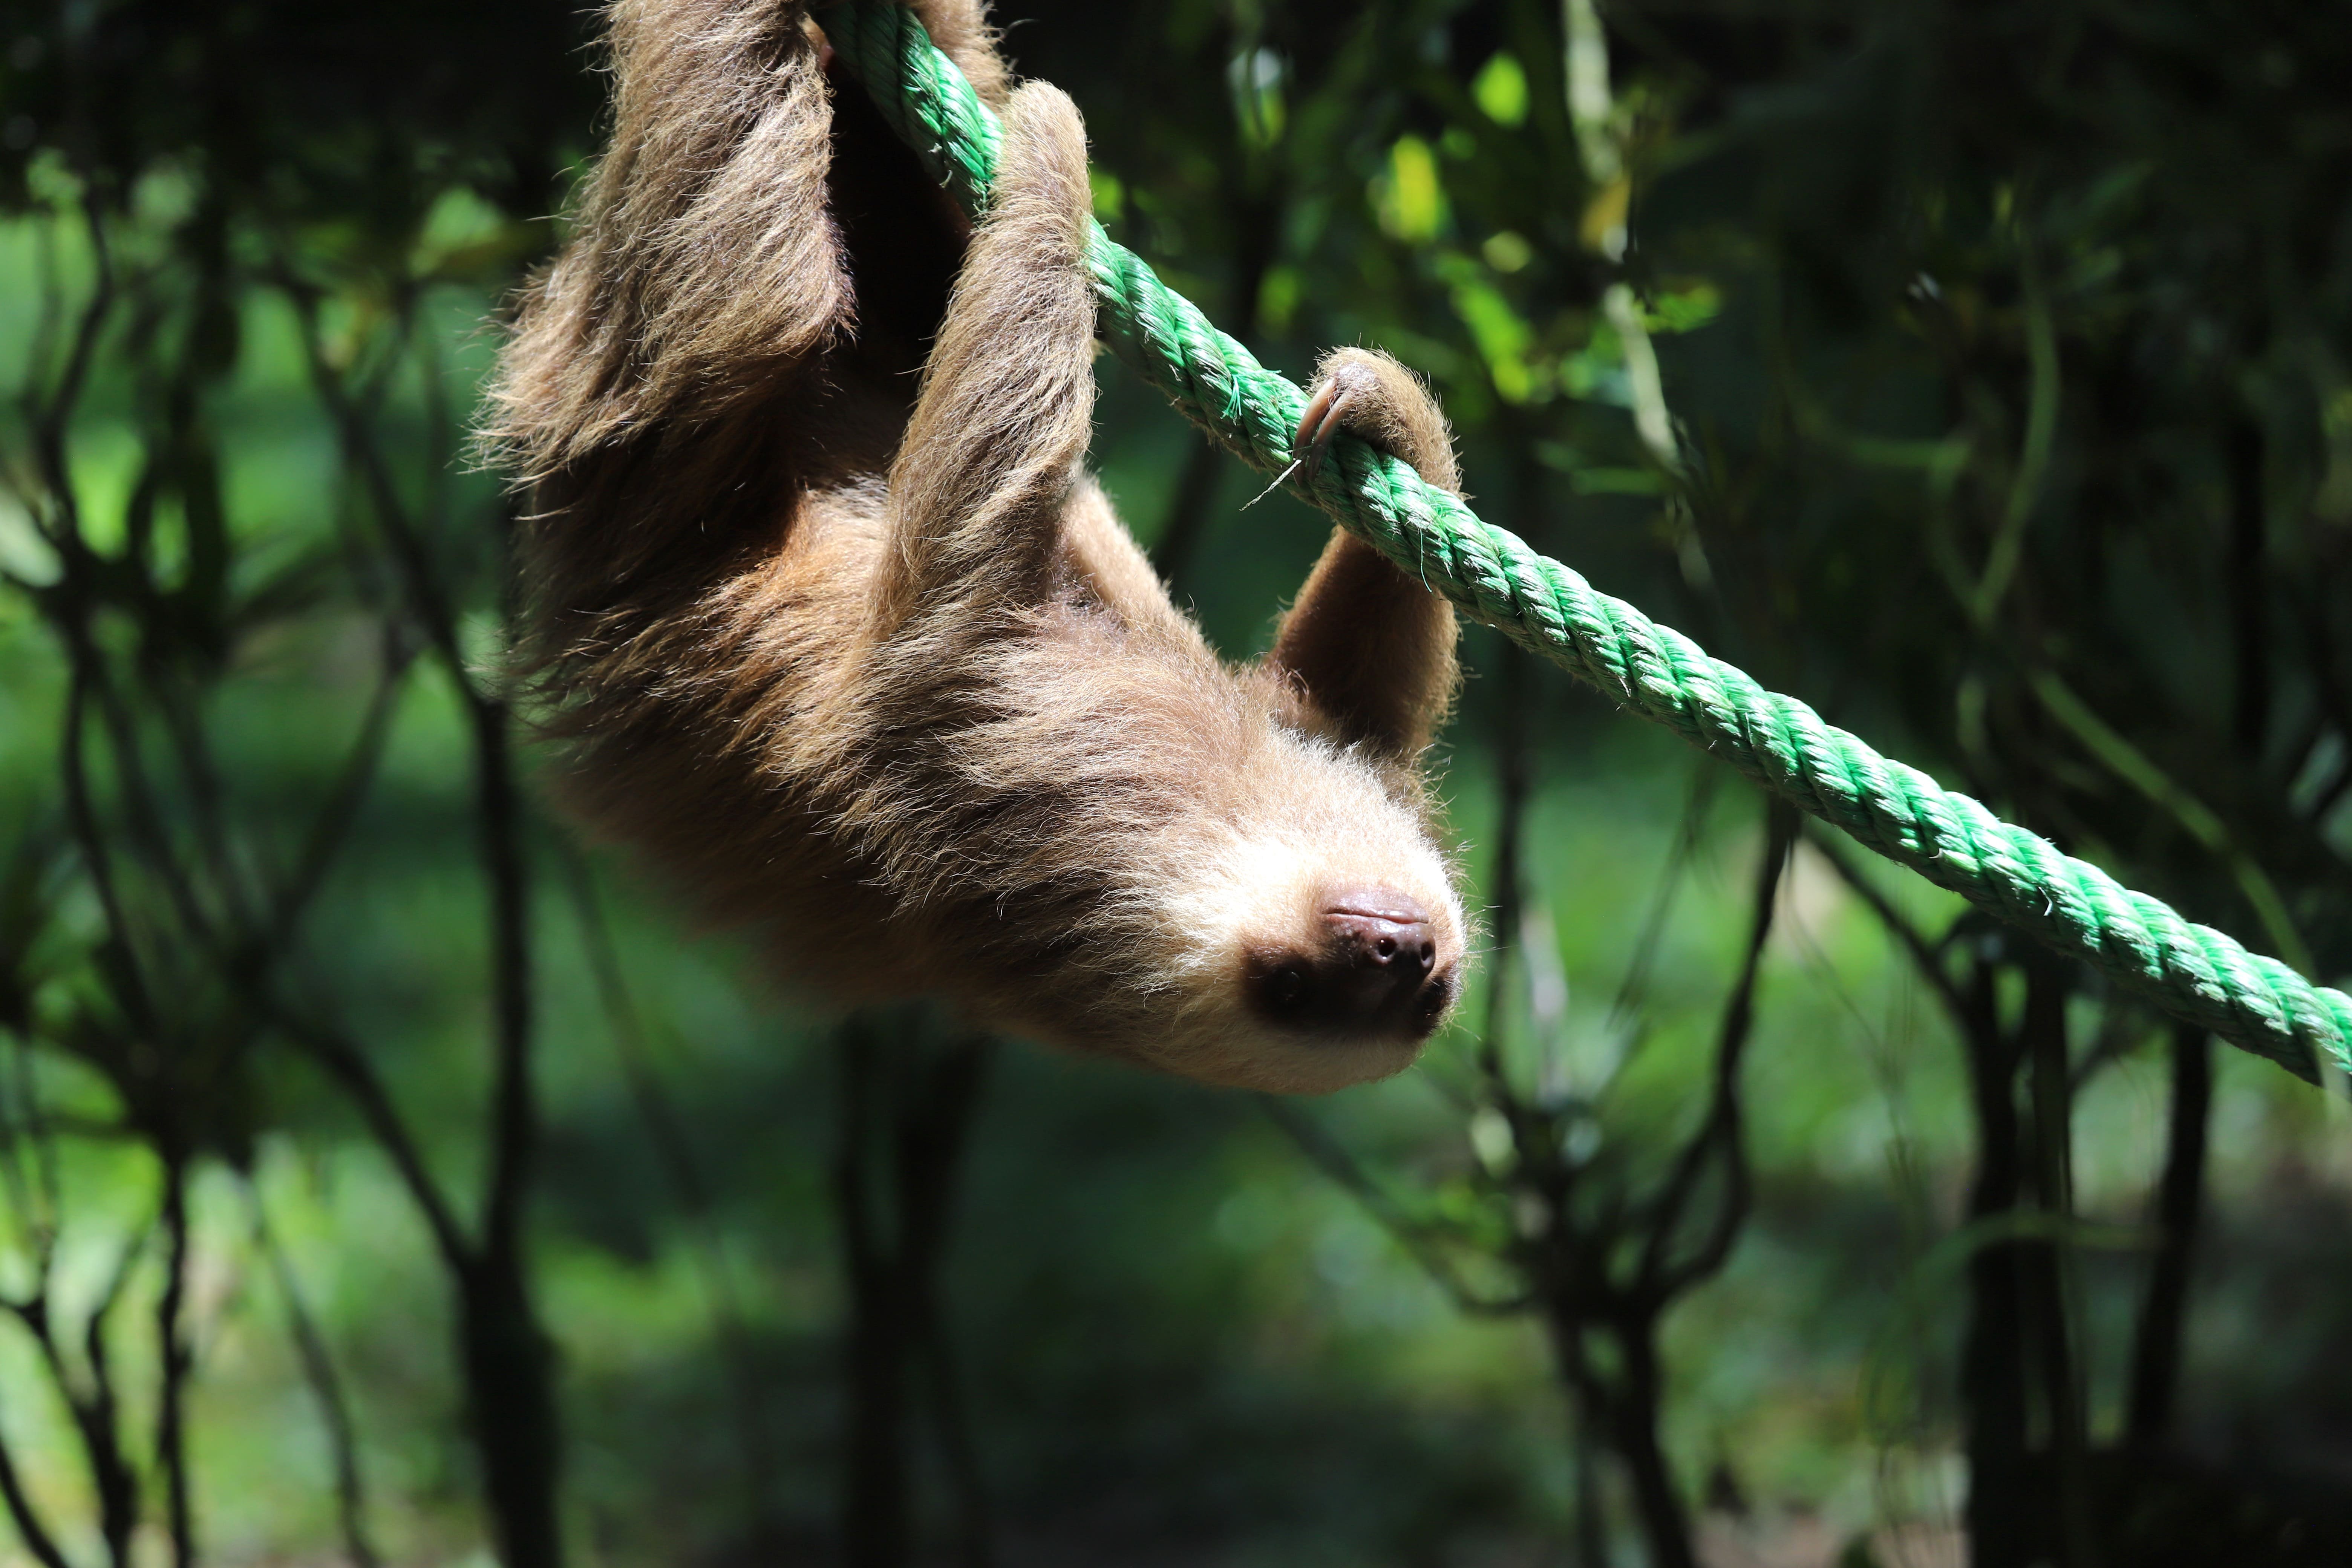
(1309, 942)
(1266, 908)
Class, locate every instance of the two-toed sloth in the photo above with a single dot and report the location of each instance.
(866, 662)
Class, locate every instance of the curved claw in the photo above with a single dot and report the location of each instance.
(1325, 411)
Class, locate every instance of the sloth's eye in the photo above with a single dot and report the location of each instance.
(1281, 986)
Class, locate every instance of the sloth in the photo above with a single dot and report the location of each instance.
(835, 632)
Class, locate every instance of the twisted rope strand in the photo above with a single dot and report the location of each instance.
(2193, 972)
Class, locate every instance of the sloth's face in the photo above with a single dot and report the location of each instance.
(1310, 939)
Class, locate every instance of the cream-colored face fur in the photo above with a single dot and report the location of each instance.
(1246, 895)
(844, 642)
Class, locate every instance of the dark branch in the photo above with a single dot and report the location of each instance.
(1719, 1138)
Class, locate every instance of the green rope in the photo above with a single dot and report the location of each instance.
(2192, 971)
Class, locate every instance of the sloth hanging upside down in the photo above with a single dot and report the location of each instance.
(864, 661)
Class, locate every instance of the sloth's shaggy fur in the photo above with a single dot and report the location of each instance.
(884, 679)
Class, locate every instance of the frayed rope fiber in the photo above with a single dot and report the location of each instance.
(2193, 972)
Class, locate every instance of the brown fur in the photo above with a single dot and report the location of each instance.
(884, 679)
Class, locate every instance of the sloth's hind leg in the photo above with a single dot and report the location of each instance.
(1000, 426)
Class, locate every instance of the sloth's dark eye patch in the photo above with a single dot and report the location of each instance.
(1284, 988)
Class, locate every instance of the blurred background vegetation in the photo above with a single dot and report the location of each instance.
(389, 1180)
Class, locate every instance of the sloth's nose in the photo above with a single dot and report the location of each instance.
(1382, 934)
(1370, 970)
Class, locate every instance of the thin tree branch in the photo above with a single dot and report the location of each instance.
(349, 1066)
(123, 970)
(1720, 1137)
(674, 1149)
(1335, 1161)
(1923, 953)
(336, 816)
(2179, 1201)
(171, 1419)
(326, 1386)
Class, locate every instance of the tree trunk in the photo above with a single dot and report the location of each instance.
(874, 1497)
(2179, 1201)
(1993, 1372)
(906, 1109)
(1633, 1420)
(2046, 1265)
(509, 1385)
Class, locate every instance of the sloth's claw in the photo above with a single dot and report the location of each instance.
(1327, 412)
